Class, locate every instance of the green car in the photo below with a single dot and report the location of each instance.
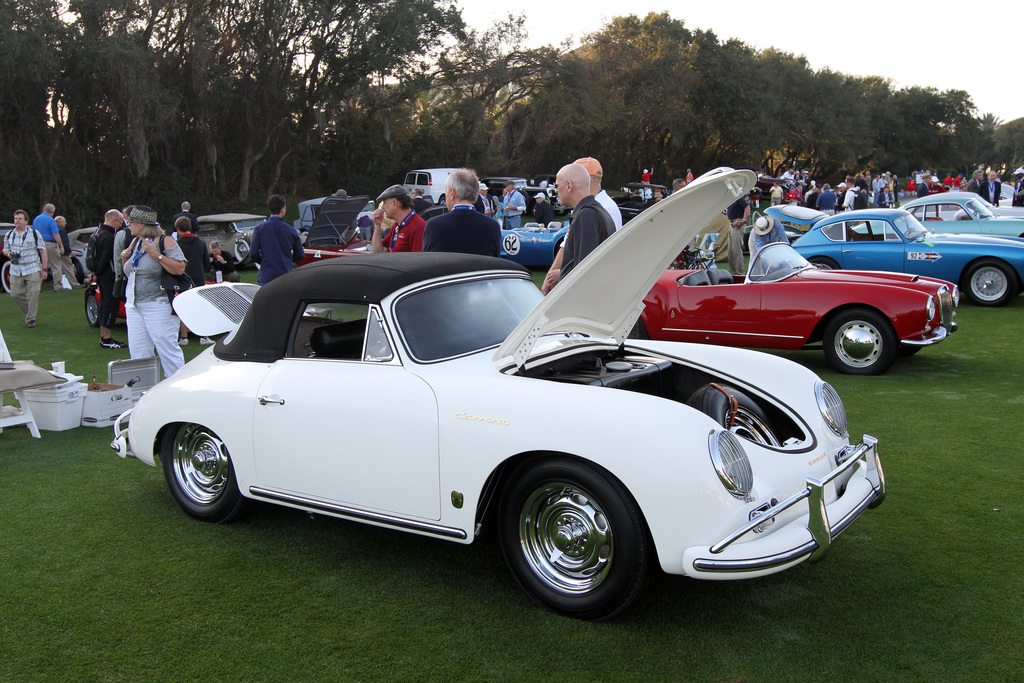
(962, 212)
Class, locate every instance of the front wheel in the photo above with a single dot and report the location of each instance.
(989, 282)
(859, 341)
(200, 475)
(5, 276)
(574, 538)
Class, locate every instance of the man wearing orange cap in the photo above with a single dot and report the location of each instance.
(593, 167)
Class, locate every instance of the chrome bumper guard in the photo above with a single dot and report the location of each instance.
(821, 529)
(120, 442)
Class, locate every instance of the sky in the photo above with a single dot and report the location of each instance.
(970, 49)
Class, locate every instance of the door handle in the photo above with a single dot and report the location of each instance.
(265, 400)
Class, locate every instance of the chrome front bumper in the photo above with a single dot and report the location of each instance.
(809, 536)
(934, 337)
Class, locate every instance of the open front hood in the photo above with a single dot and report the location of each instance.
(603, 296)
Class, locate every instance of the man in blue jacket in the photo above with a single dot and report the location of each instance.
(276, 245)
(463, 229)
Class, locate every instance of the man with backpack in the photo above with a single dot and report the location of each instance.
(100, 260)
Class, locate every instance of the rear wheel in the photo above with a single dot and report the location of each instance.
(574, 538)
(824, 262)
(92, 307)
(199, 474)
(5, 276)
(859, 341)
(989, 282)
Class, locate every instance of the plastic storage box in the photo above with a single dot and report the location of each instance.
(137, 373)
(103, 403)
(59, 407)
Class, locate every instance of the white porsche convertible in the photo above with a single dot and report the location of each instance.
(483, 405)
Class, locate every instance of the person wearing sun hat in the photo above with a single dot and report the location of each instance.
(152, 324)
(766, 230)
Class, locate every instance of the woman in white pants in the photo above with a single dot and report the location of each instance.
(151, 321)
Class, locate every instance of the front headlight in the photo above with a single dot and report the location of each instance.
(731, 463)
(831, 407)
(930, 307)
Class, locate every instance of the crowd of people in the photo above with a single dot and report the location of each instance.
(130, 253)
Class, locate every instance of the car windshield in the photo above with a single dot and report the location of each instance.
(463, 317)
(774, 262)
(911, 228)
(242, 226)
(979, 209)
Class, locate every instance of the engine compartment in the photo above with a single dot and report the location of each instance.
(739, 409)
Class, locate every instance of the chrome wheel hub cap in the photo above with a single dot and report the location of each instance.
(566, 538)
(858, 343)
(201, 464)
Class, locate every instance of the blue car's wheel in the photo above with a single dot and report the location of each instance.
(989, 282)
(824, 262)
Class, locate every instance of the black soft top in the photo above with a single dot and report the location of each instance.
(263, 335)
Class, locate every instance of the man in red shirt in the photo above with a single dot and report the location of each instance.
(404, 228)
(948, 181)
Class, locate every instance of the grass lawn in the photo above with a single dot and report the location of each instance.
(104, 579)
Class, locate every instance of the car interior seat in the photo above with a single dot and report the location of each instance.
(720, 276)
(342, 340)
(697, 279)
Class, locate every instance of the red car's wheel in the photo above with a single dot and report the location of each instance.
(92, 306)
(5, 276)
(859, 341)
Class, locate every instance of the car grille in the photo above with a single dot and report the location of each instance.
(946, 308)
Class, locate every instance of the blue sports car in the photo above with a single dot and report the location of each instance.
(533, 244)
(988, 268)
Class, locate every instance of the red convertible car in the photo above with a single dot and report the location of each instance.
(862, 319)
(336, 231)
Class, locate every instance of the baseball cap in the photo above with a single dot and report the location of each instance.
(592, 165)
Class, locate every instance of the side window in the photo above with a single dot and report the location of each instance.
(877, 230)
(331, 330)
(378, 348)
(835, 232)
(890, 233)
(422, 179)
(410, 178)
(857, 231)
(948, 212)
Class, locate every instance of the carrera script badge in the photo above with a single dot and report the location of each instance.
(489, 420)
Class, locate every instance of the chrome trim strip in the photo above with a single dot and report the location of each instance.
(754, 564)
(744, 334)
(359, 515)
(818, 524)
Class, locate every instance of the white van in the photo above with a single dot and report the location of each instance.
(430, 179)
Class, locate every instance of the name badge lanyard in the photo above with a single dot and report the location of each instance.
(397, 228)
